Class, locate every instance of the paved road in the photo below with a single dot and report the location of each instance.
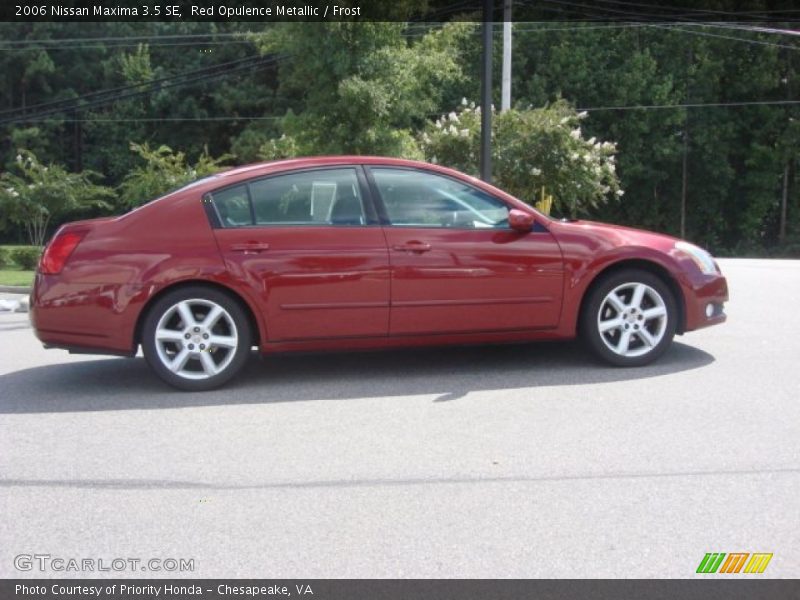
(516, 461)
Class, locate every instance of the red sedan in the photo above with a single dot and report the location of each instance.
(358, 252)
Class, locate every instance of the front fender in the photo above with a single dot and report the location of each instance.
(592, 249)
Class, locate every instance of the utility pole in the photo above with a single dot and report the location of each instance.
(76, 142)
(787, 81)
(784, 204)
(685, 177)
(505, 102)
(685, 165)
(486, 93)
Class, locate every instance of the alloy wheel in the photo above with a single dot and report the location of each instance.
(632, 319)
(196, 338)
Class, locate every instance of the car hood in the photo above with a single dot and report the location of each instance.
(614, 236)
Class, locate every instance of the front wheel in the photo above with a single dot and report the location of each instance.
(196, 338)
(629, 318)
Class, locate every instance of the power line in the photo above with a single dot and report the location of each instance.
(424, 31)
(546, 27)
(663, 7)
(687, 10)
(153, 40)
(535, 4)
(104, 101)
(155, 119)
(76, 99)
(433, 114)
(69, 104)
(674, 26)
(693, 105)
(132, 37)
(463, 6)
(690, 17)
(578, 28)
(756, 28)
(416, 30)
(726, 37)
(112, 46)
(575, 6)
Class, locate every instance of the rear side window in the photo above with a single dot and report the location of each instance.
(321, 197)
(233, 206)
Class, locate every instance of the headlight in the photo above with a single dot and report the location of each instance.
(703, 260)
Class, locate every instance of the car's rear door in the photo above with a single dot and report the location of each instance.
(309, 244)
(456, 265)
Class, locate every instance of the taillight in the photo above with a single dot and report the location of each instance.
(58, 251)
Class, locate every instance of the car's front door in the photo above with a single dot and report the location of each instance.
(309, 244)
(456, 265)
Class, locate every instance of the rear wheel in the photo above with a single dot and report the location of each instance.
(629, 318)
(196, 338)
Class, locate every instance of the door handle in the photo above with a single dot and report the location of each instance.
(412, 247)
(250, 247)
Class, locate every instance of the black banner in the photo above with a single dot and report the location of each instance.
(387, 10)
(408, 589)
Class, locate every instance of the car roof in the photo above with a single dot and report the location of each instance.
(256, 169)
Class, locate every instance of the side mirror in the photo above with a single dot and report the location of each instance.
(520, 221)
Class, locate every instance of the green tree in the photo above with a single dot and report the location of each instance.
(37, 194)
(614, 67)
(364, 87)
(372, 87)
(735, 156)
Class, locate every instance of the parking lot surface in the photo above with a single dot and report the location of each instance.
(509, 461)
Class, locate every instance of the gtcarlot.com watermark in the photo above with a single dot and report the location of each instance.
(60, 564)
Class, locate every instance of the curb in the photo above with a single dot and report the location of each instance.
(14, 289)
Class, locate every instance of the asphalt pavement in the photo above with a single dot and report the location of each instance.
(510, 461)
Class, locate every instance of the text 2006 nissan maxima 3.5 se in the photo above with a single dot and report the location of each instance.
(358, 252)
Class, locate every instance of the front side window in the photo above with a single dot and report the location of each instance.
(419, 199)
(321, 197)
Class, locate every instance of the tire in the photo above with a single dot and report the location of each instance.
(629, 318)
(218, 343)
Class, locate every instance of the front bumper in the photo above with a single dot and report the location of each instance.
(705, 301)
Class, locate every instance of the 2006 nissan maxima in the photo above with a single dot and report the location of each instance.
(358, 252)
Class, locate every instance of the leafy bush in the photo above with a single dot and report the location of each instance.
(27, 258)
(277, 148)
(4, 258)
(532, 149)
(164, 171)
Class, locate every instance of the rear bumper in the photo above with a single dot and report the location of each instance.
(705, 301)
(85, 317)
